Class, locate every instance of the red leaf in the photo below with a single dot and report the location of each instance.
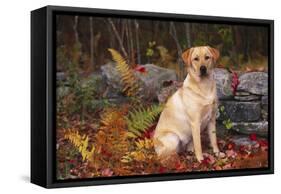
(263, 143)
(149, 132)
(71, 161)
(231, 153)
(162, 169)
(209, 158)
(231, 145)
(235, 82)
(107, 172)
(242, 148)
(206, 161)
(253, 137)
(227, 166)
(106, 153)
(140, 68)
(179, 166)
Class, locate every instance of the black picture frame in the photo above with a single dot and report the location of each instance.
(43, 98)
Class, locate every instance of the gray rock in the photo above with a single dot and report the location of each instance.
(223, 81)
(241, 140)
(264, 100)
(112, 80)
(154, 78)
(96, 81)
(151, 81)
(111, 76)
(247, 98)
(254, 82)
(264, 114)
(168, 91)
(264, 104)
(60, 76)
(259, 128)
(240, 111)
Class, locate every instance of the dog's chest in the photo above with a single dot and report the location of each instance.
(206, 116)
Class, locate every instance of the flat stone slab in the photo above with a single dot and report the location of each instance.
(242, 140)
(259, 128)
(238, 111)
(254, 82)
(242, 93)
(247, 98)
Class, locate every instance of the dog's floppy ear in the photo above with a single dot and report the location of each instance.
(186, 56)
(215, 53)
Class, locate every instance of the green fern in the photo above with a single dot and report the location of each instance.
(138, 120)
(128, 78)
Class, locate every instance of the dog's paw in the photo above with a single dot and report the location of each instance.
(200, 158)
(220, 154)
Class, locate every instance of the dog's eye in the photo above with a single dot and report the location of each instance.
(207, 57)
(196, 59)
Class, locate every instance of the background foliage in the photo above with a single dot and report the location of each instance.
(158, 42)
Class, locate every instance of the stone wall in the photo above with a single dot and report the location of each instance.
(247, 110)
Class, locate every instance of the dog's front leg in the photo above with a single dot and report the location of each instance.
(213, 138)
(197, 140)
(212, 135)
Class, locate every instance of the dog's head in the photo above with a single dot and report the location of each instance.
(200, 61)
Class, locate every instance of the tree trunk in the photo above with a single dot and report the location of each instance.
(173, 33)
(77, 45)
(138, 42)
(118, 38)
(188, 34)
(127, 39)
(76, 35)
(131, 43)
(91, 41)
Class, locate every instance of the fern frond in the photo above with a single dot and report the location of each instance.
(144, 144)
(140, 119)
(112, 132)
(80, 143)
(112, 119)
(128, 78)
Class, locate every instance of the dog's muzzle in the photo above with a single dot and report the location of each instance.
(203, 70)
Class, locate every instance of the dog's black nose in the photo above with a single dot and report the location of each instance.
(203, 70)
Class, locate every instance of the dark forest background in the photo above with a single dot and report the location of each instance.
(85, 40)
(106, 117)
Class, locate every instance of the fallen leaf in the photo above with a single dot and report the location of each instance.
(231, 153)
(162, 169)
(140, 68)
(211, 158)
(253, 137)
(234, 82)
(107, 172)
(231, 145)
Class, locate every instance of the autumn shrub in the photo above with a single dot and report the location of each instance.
(81, 93)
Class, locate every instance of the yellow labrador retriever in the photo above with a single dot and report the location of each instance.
(191, 109)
